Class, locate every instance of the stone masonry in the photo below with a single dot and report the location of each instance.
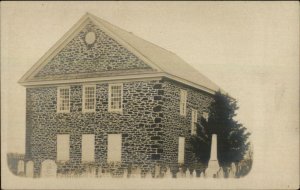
(104, 56)
(176, 125)
(150, 124)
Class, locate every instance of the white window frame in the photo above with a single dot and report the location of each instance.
(67, 152)
(87, 152)
(84, 98)
(59, 99)
(110, 109)
(205, 115)
(194, 121)
(181, 150)
(183, 100)
(112, 154)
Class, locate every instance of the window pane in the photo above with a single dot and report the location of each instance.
(89, 97)
(183, 96)
(115, 97)
(64, 99)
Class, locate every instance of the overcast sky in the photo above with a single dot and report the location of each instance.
(250, 49)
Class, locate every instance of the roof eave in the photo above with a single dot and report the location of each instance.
(116, 78)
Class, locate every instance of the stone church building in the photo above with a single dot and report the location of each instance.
(102, 96)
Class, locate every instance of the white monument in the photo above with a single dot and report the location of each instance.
(49, 168)
(213, 164)
(29, 169)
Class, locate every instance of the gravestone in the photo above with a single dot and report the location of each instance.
(20, 167)
(179, 173)
(220, 173)
(194, 175)
(157, 171)
(168, 173)
(187, 173)
(138, 172)
(233, 168)
(29, 169)
(202, 174)
(49, 168)
(135, 173)
(99, 171)
(148, 175)
(106, 174)
(125, 174)
(91, 171)
(230, 173)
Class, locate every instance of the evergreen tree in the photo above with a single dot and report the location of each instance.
(201, 142)
(232, 136)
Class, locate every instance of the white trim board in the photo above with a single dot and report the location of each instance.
(127, 78)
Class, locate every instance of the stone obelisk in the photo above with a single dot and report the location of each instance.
(213, 164)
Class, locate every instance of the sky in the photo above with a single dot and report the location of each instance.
(250, 49)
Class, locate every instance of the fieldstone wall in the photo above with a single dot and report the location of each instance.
(140, 125)
(176, 125)
(104, 56)
(150, 125)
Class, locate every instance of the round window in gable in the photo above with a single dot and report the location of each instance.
(90, 38)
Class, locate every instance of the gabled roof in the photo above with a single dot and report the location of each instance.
(163, 62)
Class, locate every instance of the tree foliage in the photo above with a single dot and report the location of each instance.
(231, 135)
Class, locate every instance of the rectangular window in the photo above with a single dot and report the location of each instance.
(114, 149)
(115, 97)
(88, 99)
(205, 116)
(183, 97)
(63, 147)
(194, 121)
(88, 148)
(181, 150)
(63, 99)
